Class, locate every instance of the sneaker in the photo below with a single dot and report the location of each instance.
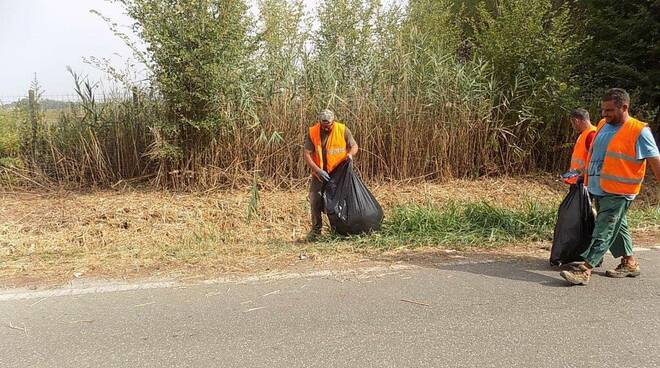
(624, 269)
(573, 266)
(578, 276)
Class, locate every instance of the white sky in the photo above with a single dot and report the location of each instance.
(44, 36)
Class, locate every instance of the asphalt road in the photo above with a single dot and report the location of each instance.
(451, 314)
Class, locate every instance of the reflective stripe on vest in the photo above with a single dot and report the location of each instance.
(622, 173)
(622, 156)
(335, 147)
(620, 179)
(580, 153)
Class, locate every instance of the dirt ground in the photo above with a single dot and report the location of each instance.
(51, 237)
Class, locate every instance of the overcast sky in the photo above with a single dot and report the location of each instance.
(44, 36)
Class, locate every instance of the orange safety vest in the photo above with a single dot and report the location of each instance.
(580, 154)
(622, 173)
(335, 147)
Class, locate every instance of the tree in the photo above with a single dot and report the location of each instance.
(199, 53)
(624, 51)
(532, 47)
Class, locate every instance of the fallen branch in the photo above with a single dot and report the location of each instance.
(253, 309)
(18, 328)
(143, 305)
(271, 293)
(39, 301)
(414, 302)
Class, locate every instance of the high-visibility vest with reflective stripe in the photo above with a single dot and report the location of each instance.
(580, 154)
(335, 147)
(622, 173)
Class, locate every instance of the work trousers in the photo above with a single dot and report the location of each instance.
(316, 203)
(611, 231)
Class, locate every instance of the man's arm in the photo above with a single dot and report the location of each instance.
(310, 162)
(353, 150)
(308, 151)
(654, 162)
(352, 145)
(589, 140)
(320, 173)
(647, 149)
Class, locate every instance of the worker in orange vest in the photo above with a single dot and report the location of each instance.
(582, 125)
(616, 165)
(328, 143)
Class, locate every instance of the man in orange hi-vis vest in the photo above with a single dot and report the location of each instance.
(616, 165)
(582, 124)
(328, 143)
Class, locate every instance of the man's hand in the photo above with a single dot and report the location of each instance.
(349, 156)
(654, 162)
(323, 175)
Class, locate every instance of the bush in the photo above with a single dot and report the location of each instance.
(10, 142)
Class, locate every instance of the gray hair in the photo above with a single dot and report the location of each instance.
(580, 114)
(618, 95)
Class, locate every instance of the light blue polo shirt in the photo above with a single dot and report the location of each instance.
(646, 147)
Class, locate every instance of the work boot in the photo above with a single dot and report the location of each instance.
(624, 269)
(576, 265)
(578, 276)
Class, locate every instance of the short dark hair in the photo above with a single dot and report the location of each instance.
(618, 95)
(581, 114)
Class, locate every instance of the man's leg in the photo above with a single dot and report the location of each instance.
(609, 220)
(610, 212)
(623, 247)
(316, 205)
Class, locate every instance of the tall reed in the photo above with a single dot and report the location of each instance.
(231, 98)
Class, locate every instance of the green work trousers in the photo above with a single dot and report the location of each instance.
(611, 231)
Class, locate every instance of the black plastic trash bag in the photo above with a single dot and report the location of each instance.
(575, 223)
(350, 207)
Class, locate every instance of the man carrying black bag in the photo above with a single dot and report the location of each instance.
(616, 168)
(575, 220)
(327, 145)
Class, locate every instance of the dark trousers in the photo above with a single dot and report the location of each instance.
(316, 203)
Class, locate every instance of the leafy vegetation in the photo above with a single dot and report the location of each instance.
(431, 89)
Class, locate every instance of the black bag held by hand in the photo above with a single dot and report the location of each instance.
(351, 208)
(575, 223)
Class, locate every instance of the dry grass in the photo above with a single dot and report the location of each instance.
(133, 233)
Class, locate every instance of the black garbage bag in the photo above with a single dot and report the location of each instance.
(575, 223)
(350, 207)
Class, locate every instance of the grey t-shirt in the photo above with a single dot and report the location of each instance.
(348, 137)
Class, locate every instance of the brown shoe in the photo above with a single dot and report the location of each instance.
(578, 276)
(576, 265)
(624, 269)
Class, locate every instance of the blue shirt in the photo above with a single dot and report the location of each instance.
(646, 147)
